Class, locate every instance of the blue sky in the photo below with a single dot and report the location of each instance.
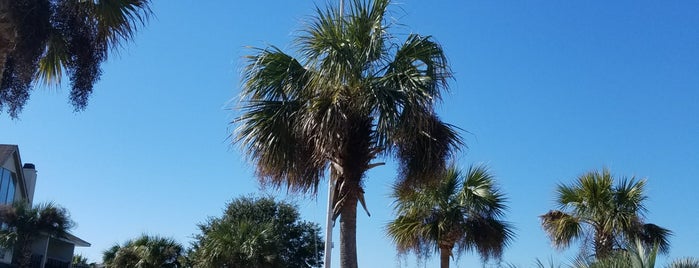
(546, 89)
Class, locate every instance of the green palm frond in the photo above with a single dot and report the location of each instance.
(562, 228)
(118, 20)
(480, 194)
(653, 235)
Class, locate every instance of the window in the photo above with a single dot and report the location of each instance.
(7, 186)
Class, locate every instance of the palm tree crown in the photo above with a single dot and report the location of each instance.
(353, 95)
(462, 211)
(146, 251)
(43, 39)
(25, 223)
(611, 214)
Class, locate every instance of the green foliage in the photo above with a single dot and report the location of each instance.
(26, 223)
(462, 211)
(258, 232)
(611, 216)
(144, 252)
(63, 36)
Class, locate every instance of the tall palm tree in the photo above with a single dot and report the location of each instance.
(462, 212)
(42, 39)
(26, 223)
(611, 214)
(353, 96)
(144, 252)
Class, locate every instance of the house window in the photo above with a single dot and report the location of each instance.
(7, 186)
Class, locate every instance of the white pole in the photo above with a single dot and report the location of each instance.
(329, 221)
(331, 191)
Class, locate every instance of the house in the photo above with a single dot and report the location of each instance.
(17, 183)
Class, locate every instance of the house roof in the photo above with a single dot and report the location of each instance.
(6, 152)
(70, 238)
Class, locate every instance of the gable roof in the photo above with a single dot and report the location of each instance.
(6, 152)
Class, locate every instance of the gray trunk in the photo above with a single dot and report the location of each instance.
(348, 234)
(8, 34)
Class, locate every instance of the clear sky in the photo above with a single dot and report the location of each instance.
(546, 89)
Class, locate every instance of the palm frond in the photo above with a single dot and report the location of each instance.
(118, 20)
(652, 235)
(424, 143)
(488, 236)
(480, 195)
(562, 228)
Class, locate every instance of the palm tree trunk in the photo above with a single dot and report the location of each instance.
(348, 233)
(24, 256)
(603, 245)
(8, 34)
(444, 255)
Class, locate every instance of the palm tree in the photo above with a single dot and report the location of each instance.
(611, 215)
(462, 212)
(144, 252)
(26, 223)
(42, 39)
(687, 262)
(353, 96)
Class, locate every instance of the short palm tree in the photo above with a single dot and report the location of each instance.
(352, 96)
(26, 223)
(45, 38)
(687, 262)
(461, 212)
(611, 215)
(144, 252)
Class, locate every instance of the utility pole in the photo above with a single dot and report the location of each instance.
(331, 191)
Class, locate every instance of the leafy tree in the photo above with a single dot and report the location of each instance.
(462, 212)
(611, 215)
(352, 96)
(144, 252)
(42, 39)
(258, 232)
(26, 223)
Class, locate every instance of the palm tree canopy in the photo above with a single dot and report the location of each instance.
(43, 40)
(145, 251)
(612, 213)
(28, 222)
(25, 223)
(462, 210)
(353, 87)
(687, 262)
